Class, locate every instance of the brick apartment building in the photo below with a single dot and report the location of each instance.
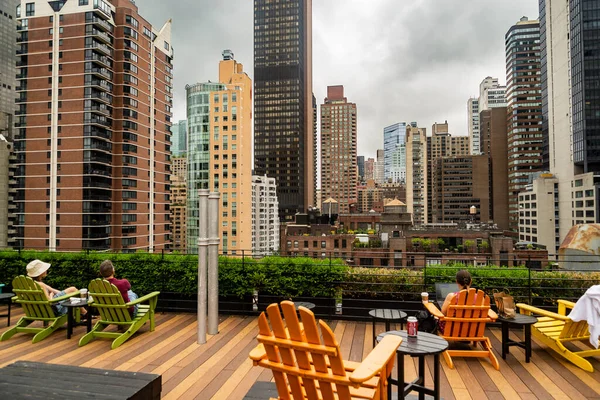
(92, 136)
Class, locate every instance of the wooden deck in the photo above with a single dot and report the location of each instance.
(221, 369)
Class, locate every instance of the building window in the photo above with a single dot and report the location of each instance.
(29, 9)
(84, 2)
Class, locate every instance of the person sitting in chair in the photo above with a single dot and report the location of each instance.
(463, 280)
(107, 271)
(38, 270)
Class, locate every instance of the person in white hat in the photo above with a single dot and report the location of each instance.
(38, 270)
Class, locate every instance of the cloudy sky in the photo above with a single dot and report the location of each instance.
(399, 60)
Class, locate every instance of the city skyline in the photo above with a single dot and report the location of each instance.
(423, 61)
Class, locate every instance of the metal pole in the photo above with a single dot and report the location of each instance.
(213, 263)
(202, 263)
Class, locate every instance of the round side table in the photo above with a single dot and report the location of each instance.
(387, 315)
(522, 322)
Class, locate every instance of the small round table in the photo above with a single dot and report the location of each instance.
(387, 315)
(71, 317)
(305, 304)
(522, 321)
(6, 298)
(423, 345)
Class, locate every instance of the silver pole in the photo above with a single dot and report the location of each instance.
(202, 263)
(213, 263)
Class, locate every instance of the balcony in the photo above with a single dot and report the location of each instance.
(101, 96)
(100, 47)
(96, 120)
(101, 109)
(103, 73)
(100, 35)
(98, 132)
(98, 58)
(97, 169)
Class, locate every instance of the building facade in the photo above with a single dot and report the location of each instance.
(524, 110)
(360, 165)
(338, 149)
(265, 216)
(92, 135)
(394, 153)
(540, 199)
(473, 125)
(283, 108)
(369, 169)
(179, 204)
(379, 167)
(179, 138)
(416, 173)
(220, 152)
(491, 94)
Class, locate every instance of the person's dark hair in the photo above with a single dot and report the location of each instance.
(107, 268)
(463, 278)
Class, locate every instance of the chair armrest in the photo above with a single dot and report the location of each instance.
(258, 353)
(563, 305)
(433, 309)
(142, 299)
(65, 297)
(528, 310)
(377, 359)
(492, 315)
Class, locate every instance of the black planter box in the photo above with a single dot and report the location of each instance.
(235, 304)
(324, 306)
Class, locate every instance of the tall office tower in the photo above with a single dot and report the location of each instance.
(338, 149)
(219, 118)
(379, 167)
(369, 169)
(491, 94)
(473, 125)
(93, 131)
(524, 108)
(8, 32)
(416, 173)
(283, 107)
(459, 183)
(360, 164)
(441, 144)
(265, 216)
(394, 137)
(179, 138)
(494, 144)
(316, 199)
(179, 204)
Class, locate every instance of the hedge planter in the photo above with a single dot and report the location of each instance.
(324, 307)
(235, 304)
(358, 308)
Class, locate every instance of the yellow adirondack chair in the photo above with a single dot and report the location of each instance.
(556, 329)
(114, 311)
(37, 307)
(306, 367)
(465, 322)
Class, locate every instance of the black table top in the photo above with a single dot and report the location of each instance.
(422, 345)
(80, 303)
(306, 304)
(387, 314)
(519, 319)
(6, 296)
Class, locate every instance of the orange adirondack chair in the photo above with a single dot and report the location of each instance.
(306, 367)
(465, 322)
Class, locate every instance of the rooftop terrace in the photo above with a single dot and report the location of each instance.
(221, 369)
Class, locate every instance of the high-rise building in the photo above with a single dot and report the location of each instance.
(179, 138)
(219, 118)
(360, 164)
(473, 125)
(441, 144)
(92, 133)
(394, 138)
(379, 167)
(369, 169)
(179, 204)
(283, 106)
(338, 149)
(8, 84)
(416, 173)
(265, 216)
(491, 94)
(524, 108)
(494, 144)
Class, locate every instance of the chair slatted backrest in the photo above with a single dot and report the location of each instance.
(290, 348)
(575, 330)
(466, 318)
(32, 298)
(109, 301)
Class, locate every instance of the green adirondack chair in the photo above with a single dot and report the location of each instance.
(114, 311)
(37, 307)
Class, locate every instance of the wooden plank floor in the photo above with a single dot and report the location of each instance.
(220, 369)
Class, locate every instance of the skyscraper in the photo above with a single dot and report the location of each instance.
(93, 128)
(283, 104)
(338, 149)
(473, 125)
(369, 169)
(416, 173)
(220, 152)
(179, 138)
(379, 167)
(360, 164)
(524, 108)
(491, 94)
(265, 216)
(394, 138)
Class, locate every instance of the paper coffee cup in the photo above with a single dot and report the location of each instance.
(425, 296)
(83, 293)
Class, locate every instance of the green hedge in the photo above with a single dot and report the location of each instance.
(293, 276)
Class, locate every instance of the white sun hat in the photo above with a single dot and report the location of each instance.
(36, 268)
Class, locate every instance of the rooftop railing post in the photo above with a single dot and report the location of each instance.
(529, 279)
(213, 263)
(202, 264)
